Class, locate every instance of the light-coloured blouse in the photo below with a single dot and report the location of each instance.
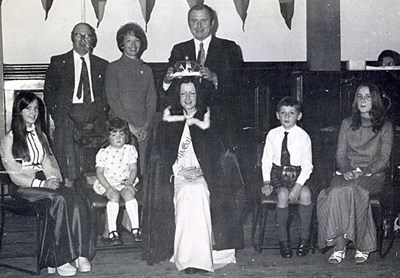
(21, 172)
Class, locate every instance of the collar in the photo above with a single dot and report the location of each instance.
(77, 57)
(31, 129)
(366, 121)
(288, 130)
(190, 120)
(130, 60)
(206, 44)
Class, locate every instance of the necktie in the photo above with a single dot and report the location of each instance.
(201, 56)
(84, 85)
(285, 155)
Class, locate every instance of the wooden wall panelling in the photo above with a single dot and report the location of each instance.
(2, 116)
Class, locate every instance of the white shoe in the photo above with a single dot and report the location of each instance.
(64, 270)
(83, 264)
(361, 257)
(337, 256)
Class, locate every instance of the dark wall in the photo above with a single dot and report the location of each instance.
(326, 97)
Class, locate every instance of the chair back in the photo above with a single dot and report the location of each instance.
(7, 186)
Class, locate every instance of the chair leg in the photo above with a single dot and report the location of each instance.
(38, 240)
(95, 215)
(254, 223)
(37, 270)
(314, 230)
(1, 227)
(385, 233)
(261, 227)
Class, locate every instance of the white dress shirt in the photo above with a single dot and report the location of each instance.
(299, 146)
(206, 44)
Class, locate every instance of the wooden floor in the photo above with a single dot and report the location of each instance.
(127, 263)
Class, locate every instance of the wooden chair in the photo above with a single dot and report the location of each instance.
(11, 206)
(97, 203)
(262, 207)
(382, 206)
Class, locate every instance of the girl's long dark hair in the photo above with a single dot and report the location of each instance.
(377, 113)
(176, 107)
(18, 126)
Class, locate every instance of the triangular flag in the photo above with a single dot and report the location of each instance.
(195, 2)
(46, 6)
(99, 7)
(241, 8)
(287, 11)
(147, 7)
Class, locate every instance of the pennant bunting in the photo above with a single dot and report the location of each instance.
(99, 7)
(287, 11)
(195, 2)
(241, 8)
(46, 6)
(147, 7)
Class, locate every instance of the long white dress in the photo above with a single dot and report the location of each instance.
(193, 244)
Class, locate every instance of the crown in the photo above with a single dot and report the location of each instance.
(186, 68)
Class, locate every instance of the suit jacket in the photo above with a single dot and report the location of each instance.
(60, 81)
(224, 58)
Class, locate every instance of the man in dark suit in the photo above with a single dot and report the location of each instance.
(75, 98)
(221, 62)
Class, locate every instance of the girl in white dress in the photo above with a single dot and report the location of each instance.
(194, 238)
(116, 171)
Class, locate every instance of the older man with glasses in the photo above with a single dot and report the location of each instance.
(74, 96)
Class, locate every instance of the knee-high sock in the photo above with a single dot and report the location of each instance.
(132, 210)
(282, 215)
(305, 212)
(112, 214)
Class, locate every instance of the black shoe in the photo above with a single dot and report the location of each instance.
(285, 248)
(303, 248)
(114, 238)
(137, 235)
(190, 270)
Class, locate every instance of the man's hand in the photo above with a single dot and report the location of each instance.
(267, 188)
(206, 73)
(295, 192)
(168, 76)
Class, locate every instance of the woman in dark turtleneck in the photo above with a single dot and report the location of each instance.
(363, 153)
(130, 87)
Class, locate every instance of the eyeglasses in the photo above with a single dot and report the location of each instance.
(78, 36)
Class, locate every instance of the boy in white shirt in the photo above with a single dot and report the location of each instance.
(286, 166)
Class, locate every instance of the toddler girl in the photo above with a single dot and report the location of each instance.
(116, 171)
